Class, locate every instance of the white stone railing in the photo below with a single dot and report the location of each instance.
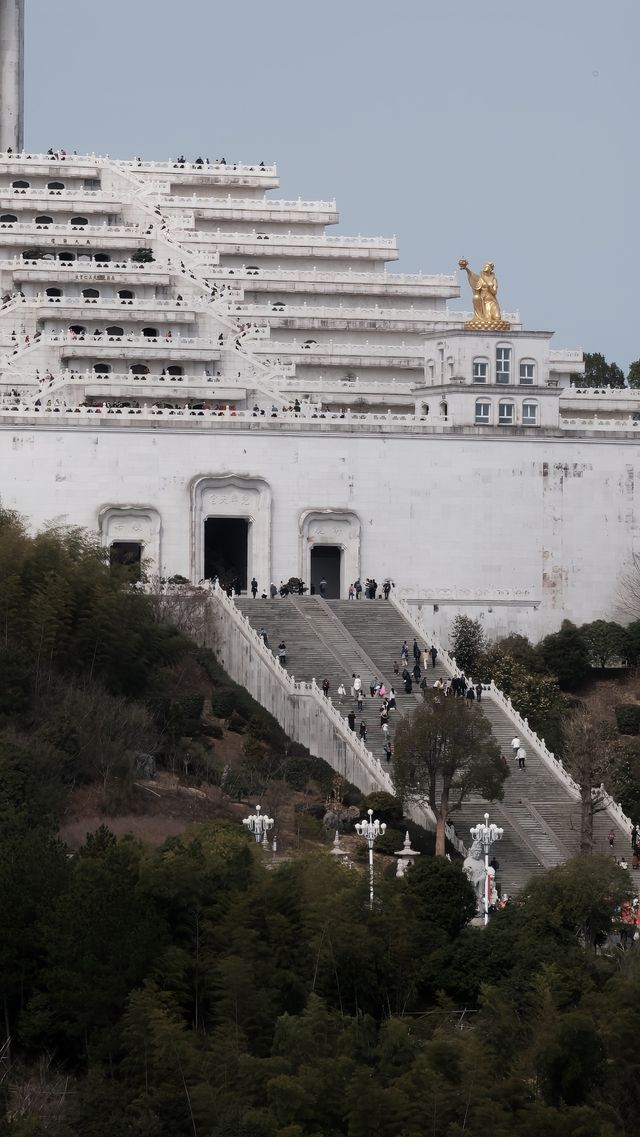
(175, 340)
(286, 310)
(566, 355)
(87, 264)
(279, 419)
(617, 423)
(310, 240)
(331, 347)
(43, 193)
(103, 230)
(250, 203)
(520, 724)
(343, 276)
(610, 392)
(170, 166)
(114, 302)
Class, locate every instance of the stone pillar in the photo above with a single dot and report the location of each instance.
(11, 74)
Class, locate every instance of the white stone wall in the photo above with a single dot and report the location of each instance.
(537, 528)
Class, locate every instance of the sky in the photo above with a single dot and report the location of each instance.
(505, 130)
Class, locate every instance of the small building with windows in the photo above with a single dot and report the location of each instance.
(496, 379)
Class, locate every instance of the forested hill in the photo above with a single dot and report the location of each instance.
(188, 991)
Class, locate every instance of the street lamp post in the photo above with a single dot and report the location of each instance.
(370, 830)
(487, 834)
(259, 824)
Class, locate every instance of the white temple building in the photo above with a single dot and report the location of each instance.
(201, 373)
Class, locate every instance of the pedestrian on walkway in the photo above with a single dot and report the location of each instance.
(392, 699)
(360, 702)
(387, 750)
(404, 652)
(479, 691)
(353, 687)
(357, 588)
(515, 745)
(325, 687)
(351, 719)
(357, 686)
(470, 694)
(323, 587)
(273, 590)
(282, 653)
(416, 650)
(264, 636)
(372, 687)
(396, 667)
(385, 729)
(522, 757)
(363, 730)
(416, 671)
(386, 588)
(433, 652)
(254, 587)
(342, 690)
(408, 685)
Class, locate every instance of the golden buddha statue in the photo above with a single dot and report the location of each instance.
(486, 310)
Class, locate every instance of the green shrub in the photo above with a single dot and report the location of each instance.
(385, 806)
(298, 771)
(628, 718)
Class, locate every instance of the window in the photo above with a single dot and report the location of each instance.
(102, 258)
(125, 295)
(506, 414)
(78, 222)
(102, 368)
(480, 370)
(114, 330)
(54, 293)
(90, 293)
(527, 371)
(503, 365)
(8, 219)
(529, 413)
(55, 187)
(151, 333)
(20, 186)
(43, 219)
(483, 413)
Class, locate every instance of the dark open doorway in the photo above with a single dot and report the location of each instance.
(126, 556)
(226, 544)
(325, 564)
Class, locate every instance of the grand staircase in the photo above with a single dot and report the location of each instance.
(335, 638)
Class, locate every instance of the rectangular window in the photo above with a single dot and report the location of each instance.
(506, 414)
(529, 414)
(503, 365)
(482, 413)
(480, 369)
(527, 372)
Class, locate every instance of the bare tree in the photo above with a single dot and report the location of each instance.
(588, 755)
(444, 752)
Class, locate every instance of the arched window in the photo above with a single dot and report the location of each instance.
(151, 333)
(503, 363)
(102, 258)
(483, 412)
(252, 270)
(79, 222)
(114, 330)
(8, 219)
(140, 369)
(44, 220)
(65, 255)
(55, 187)
(102, 368)
(53, 293)
(20, 186)
(175, 369)
(506, 414)
(77, 330)
(480, 369)
(529, 412)
(126, 294)
(90, 293)
(527, 371)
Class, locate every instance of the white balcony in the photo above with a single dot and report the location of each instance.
(347, 318)
(14, 232)
(178, 346)
(37, 198)
(295, 244)
(266, 210)
(264, 278)
(344, 354)
(50, 271)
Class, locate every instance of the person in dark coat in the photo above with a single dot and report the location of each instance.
(351, 719)
(408, 685)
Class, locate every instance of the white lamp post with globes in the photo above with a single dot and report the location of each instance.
(370, 830)
(487, 834)
(259, 824)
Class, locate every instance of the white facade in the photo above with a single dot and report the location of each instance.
(256, 368)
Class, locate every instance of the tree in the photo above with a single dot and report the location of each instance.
(598, 373)
(633, 374)
(444, 752)
(468, 642)
(566, 655)
(587, 756)
(536, 697)
(605, 640)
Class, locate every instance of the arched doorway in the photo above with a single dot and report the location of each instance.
(326, 564)
(226, 550)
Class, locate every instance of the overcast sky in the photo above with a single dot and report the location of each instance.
(497, 130)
